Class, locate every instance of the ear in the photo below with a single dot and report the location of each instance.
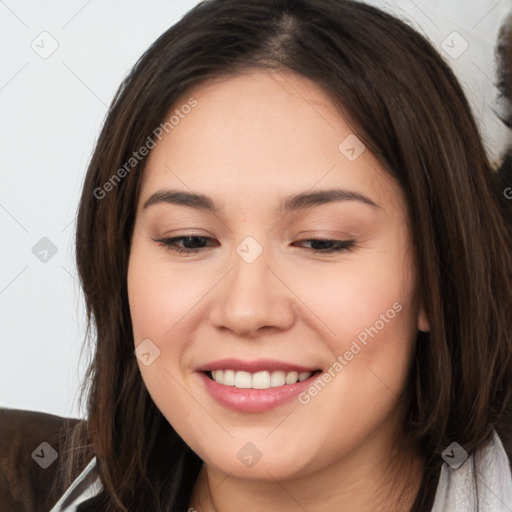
(423, 323)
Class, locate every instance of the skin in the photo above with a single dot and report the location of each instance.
(251, 141)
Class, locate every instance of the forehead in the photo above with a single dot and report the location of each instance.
(259, 135)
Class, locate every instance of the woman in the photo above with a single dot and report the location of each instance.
(293, 255)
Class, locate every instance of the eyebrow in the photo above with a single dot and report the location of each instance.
(295, 202)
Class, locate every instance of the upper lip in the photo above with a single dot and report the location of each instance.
(254, 366)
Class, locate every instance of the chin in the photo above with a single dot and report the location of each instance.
(249, 463)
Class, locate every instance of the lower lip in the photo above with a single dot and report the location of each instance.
(254, 400)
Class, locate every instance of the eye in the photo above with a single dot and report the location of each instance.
(327, 246)
(193, 244)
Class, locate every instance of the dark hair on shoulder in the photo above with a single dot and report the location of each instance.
(405, 104)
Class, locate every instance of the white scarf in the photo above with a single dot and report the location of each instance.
(482, 484)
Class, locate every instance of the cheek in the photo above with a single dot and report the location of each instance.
(157, 304)
(374, 329)
(369, 321)
(357, 299)
(159, 297)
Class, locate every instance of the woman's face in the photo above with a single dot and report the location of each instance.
(310, 347)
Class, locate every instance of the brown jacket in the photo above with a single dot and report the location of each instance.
(28, 468)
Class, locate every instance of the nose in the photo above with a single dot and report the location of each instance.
(253, 298)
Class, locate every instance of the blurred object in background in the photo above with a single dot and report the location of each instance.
(504, 111)
(465, 33)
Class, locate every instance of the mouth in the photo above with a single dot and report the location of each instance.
(255, 386)
(259, 380)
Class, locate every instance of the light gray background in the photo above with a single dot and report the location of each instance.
(51, 110)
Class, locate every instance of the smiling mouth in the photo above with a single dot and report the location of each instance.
(258, 380)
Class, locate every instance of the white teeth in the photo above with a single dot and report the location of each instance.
(277, 379)
(259, 380)
(228, 378)
(243, 380)
(291, 378)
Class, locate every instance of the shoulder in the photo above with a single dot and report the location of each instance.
(30, 443)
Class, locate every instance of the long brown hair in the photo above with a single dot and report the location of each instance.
(405, 104)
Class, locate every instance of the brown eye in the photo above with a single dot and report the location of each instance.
(192, 244)
(329, 246)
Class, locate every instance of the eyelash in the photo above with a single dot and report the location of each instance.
(342, 245)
